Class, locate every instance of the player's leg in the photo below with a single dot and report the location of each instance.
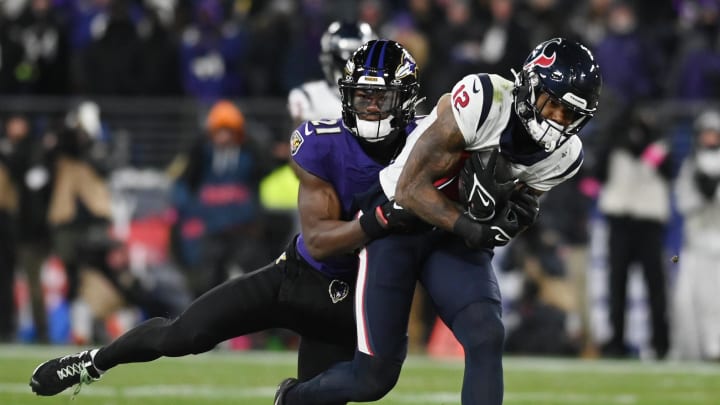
(239, 306)
(385, 286)
(320, 309)
(462, 284)
(316, 356)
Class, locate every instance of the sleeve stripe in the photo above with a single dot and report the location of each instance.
(573, 167)
(487, 89)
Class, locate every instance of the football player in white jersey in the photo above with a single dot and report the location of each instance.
(532, 124)
(319, 99)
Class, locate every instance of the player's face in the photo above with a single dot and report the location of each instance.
(554, 110)
(373, 105)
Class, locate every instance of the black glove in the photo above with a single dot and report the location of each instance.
(498, 232)
(706, 185)
(396, 219)
(527, 206)
(483, 187)
(391, 218)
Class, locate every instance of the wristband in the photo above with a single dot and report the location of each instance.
(371, 226)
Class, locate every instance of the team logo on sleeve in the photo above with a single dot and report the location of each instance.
(296, 140)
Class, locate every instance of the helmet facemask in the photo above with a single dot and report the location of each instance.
(374, 110)
(546, 132)
(379, 90)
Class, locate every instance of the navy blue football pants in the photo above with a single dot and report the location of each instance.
(464, 290)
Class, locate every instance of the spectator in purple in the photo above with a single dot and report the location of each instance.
(630, 63)
(212, 51)
(696, 75)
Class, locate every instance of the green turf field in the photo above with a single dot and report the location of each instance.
(224, 377)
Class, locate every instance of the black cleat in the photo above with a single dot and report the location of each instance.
(283, 388)
(56, 375)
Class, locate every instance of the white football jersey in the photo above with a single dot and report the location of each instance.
(482, 105)
(314, 100)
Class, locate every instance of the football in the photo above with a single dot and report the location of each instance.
(503, 167)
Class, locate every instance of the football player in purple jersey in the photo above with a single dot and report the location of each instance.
(309, 288)
(531, 125)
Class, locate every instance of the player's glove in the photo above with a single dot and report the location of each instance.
(479, 235)
(519, 213)
(482, 187)
(391, 218)
(527, 206)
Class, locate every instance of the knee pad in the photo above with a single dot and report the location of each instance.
(479, 327)
(375, 377)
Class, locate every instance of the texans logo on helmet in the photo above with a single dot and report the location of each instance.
(543, 60)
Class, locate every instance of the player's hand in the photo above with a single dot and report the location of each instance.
(483, 191)
(527, 206)
(506, 224)
(396, 219)
(497, 232)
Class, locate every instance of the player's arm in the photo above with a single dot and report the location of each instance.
(435, 155)
(319, 209)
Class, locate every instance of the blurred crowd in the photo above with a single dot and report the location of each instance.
(70, 199)
(240, 48)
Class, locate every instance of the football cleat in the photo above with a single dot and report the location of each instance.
(283, 388)
(56, 375)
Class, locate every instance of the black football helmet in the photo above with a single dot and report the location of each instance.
(380, 68)
(567, 72)
(338, 43)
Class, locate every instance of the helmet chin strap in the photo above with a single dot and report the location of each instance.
(373, 131)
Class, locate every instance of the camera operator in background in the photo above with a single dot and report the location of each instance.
(79, 211)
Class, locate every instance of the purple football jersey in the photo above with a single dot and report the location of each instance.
(330, 151)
